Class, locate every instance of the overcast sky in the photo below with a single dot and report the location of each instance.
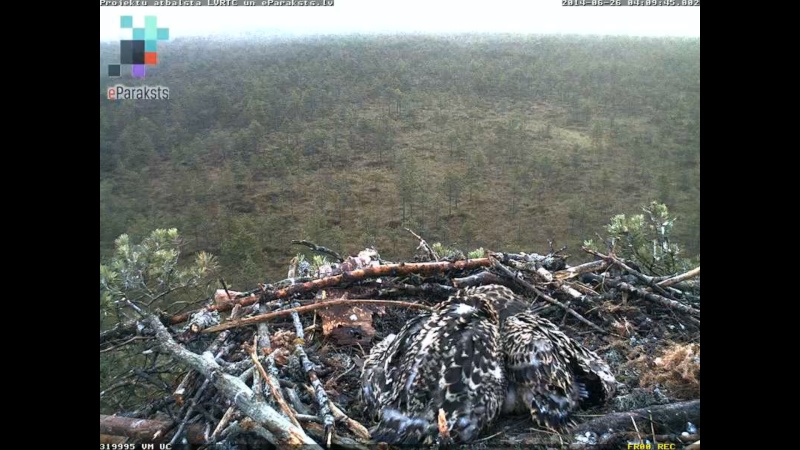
(414, 16)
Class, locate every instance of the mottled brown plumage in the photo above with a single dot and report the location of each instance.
(476, 353)
(549, 374)
(447, 359)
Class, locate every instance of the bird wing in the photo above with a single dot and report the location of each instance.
(450, 363)
(384, 366)
(547, 370)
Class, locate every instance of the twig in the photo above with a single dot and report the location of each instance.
(317, 430)
(291, 394)
(672, 304)
(275, 390)
(263, 343)
(648, 280)
(285, 312)
(181, 389)
(284, 433)
(572, 272)
(319, 249)
(226, 418)
(652, 429)
(135, 338)
(426, 289)
(356, 427)
(424, 245)
(682, 277)
(505, 270)
(321, 396)
(188, 414)
(222, 281)
(478, 279)
(637, 429)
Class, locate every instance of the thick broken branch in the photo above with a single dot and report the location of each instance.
(388, 270)
(140, 430)
(478, 279)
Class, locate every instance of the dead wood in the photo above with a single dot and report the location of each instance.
(424, 245)
(665, 418)
(141, 430)
(285, 433)
(671, 304)
(682, 277)
(223, 388)
(478, 279)
(387, 270)
(323, 404)
(274, 388)
(572, 272)
(533, 289)
(306, 308)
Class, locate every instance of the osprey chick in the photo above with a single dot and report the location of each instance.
(475, 354)
(550, 374)
(446, 359)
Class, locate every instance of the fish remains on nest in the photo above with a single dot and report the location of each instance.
(477, 354)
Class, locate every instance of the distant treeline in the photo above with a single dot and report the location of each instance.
(492, 141)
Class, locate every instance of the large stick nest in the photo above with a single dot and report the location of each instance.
(278, 366)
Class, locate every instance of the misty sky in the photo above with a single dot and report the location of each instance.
(412, 16)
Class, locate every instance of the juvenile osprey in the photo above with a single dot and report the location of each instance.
(549, 374)
(476, 354)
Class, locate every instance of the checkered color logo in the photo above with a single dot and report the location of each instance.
(140, 51)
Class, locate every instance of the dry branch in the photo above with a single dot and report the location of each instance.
(306, 308)
(356, 427)
(387, 270)
(663, 301)
(284, 432)
(424, 245)
(319, 391)
(478, 279)
(505, 270)
(318, 432)
(666, 417)
(226, 418)
(682, 277)
(642, 277)
(573, 272)
(141, 430)
(273, 387)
